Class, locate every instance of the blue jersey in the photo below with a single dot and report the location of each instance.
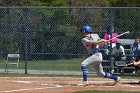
(94, 48)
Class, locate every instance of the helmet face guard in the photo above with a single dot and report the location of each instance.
(86, 28)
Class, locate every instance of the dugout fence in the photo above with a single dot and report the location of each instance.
(48, 38)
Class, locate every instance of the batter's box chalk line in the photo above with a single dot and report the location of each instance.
(61, 83)
(98, 84)
(28, 82)
(52, 85)
(79, 83)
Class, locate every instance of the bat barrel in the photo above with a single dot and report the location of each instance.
(120, 35)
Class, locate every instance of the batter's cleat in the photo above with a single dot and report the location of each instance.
(84, 83)
(117, 80)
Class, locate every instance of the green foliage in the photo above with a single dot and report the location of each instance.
(91, 3)
(15, 2)
(100, 3)
(59, 3)
(126, 19)
(38, 3)
(125, 3)
(34, 3)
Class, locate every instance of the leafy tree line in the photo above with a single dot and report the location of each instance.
(93, 3)
(53, 32)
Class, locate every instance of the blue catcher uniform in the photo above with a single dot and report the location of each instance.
(95, 57)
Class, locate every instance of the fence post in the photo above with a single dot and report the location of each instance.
(26, 33)
(110, 23)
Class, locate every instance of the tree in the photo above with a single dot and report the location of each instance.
(88, 3)
(33, 2)
(15, 2)
(125, 3)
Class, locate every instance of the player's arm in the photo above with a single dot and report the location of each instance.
(136, 63)
(102, 41)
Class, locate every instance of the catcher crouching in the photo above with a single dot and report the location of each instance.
(136, 64)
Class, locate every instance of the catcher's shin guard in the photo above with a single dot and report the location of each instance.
(85, 71)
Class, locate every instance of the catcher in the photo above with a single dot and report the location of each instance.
(136, 64)
(135, 55)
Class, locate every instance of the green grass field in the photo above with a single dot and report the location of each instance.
(53, 65)
(65, 64)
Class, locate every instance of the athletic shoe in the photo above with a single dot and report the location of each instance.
(117, 80)
(84, 83)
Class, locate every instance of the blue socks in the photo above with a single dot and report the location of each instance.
(110, 76)
(85, 71)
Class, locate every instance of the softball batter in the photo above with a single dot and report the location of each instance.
(91, 42)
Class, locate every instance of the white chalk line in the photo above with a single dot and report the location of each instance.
(28, 82)
(19, 90)
(15, 81)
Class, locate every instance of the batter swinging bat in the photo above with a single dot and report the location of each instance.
(120, 35)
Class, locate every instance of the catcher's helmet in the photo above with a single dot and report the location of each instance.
(86, 28)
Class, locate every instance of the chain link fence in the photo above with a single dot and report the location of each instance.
(48, 38)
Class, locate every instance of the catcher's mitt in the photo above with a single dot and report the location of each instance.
(120, 63)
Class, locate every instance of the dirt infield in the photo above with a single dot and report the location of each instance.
(62, 85)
